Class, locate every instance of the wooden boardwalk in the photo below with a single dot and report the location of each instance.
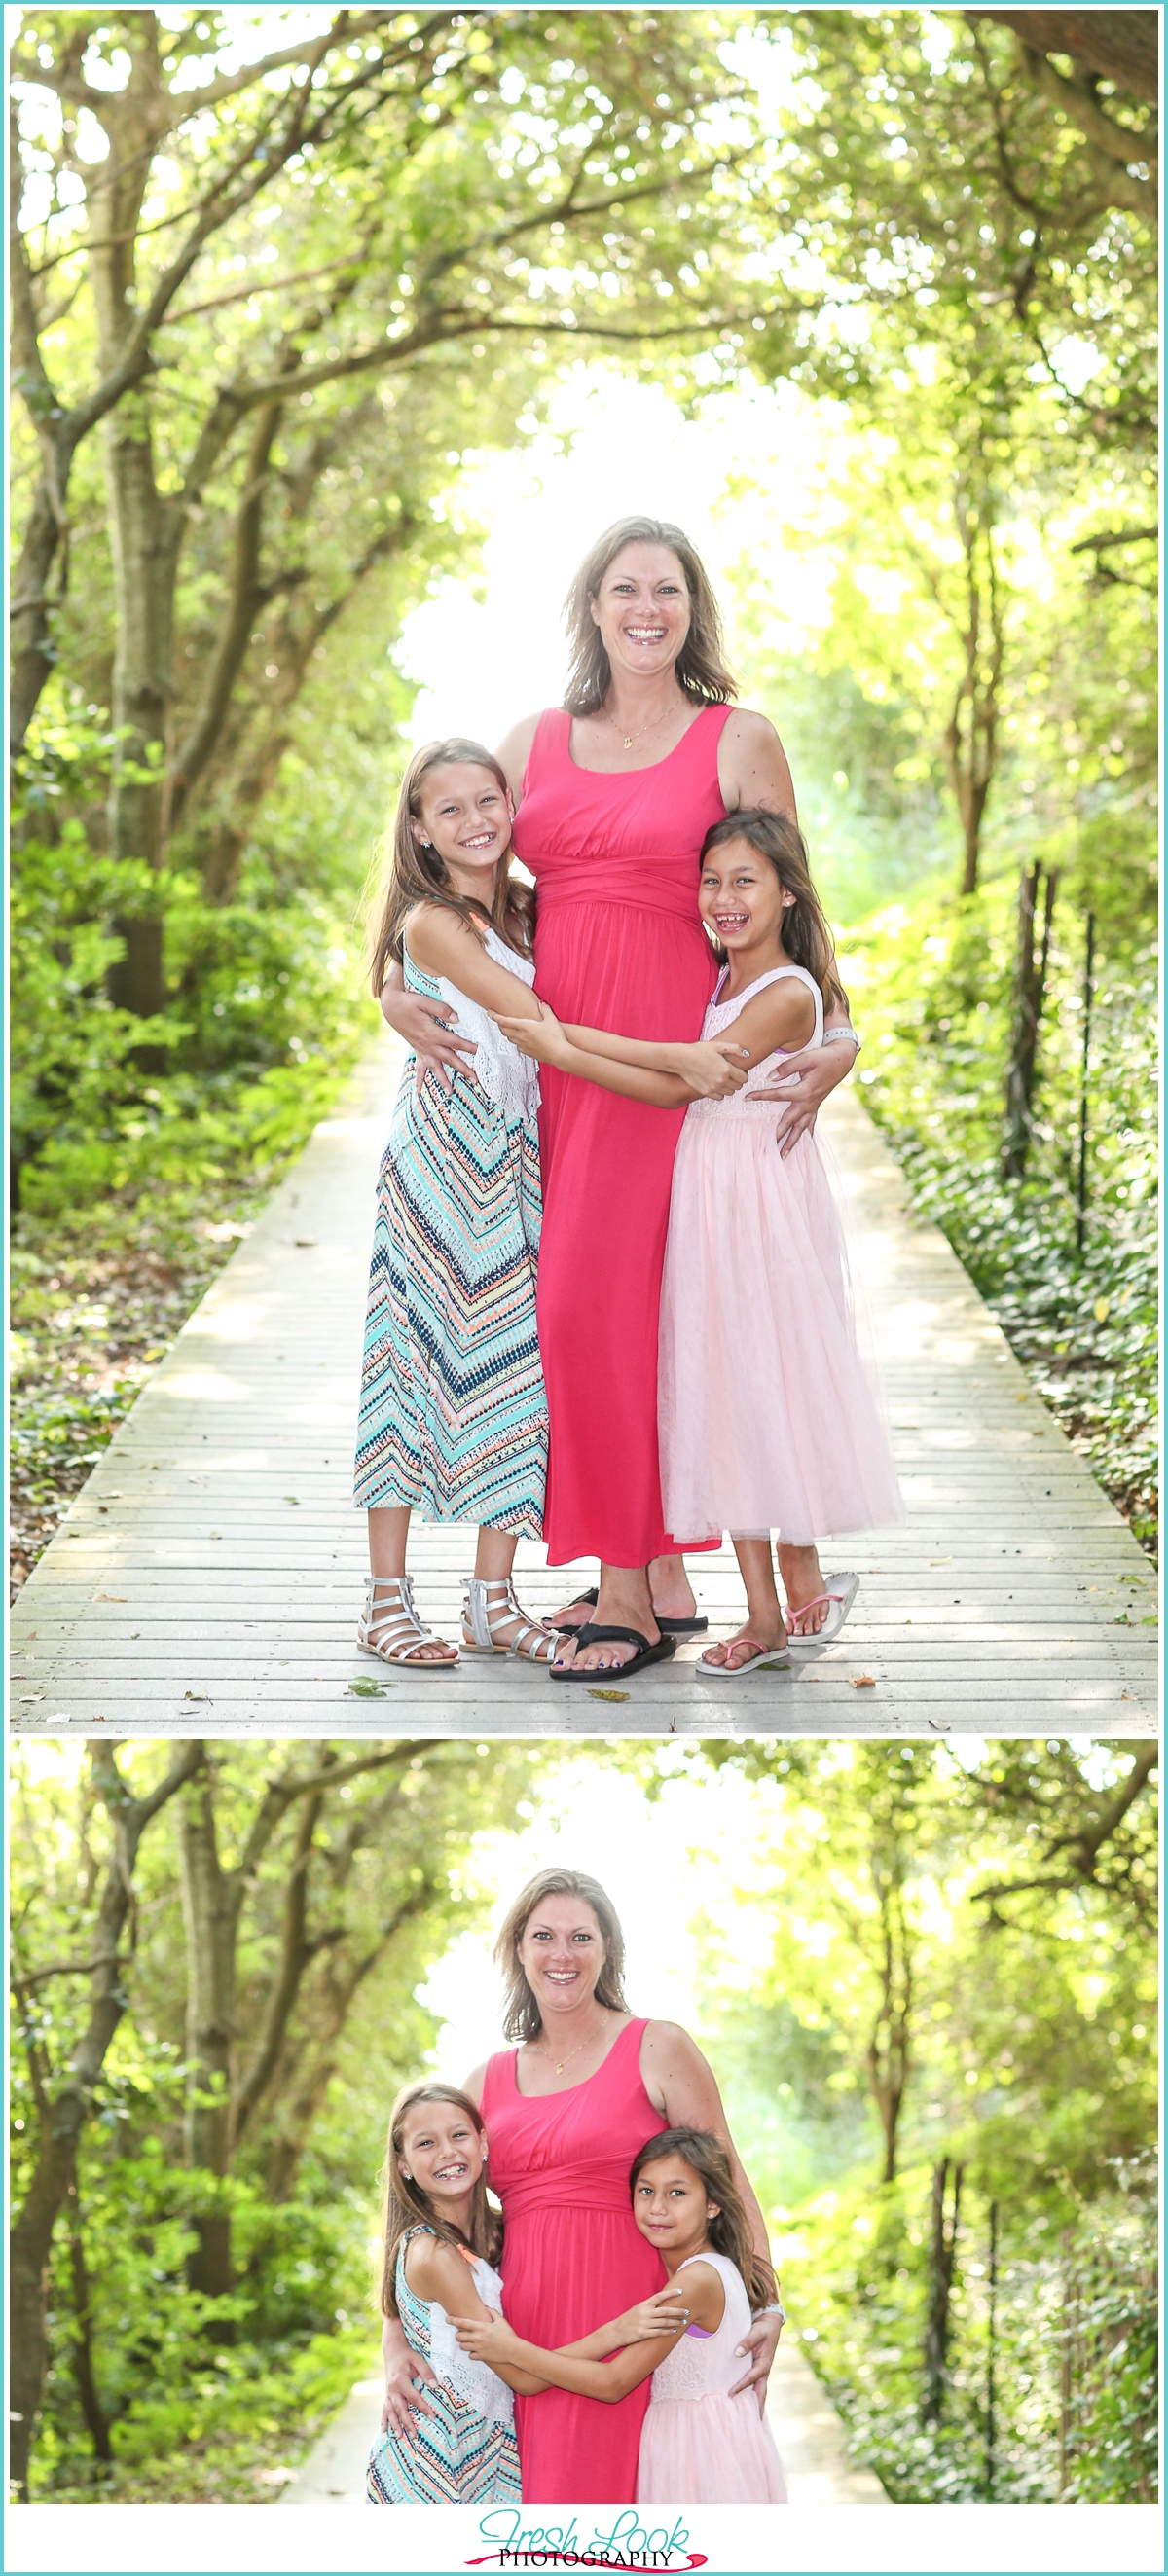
(207, 1580)
(807, 2428)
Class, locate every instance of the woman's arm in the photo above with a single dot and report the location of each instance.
(426, 1028)
(437, 2271)
(403, 2367)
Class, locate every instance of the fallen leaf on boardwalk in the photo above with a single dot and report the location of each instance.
(109, 1596)
(370, 1690)
(935, 1722)
(306, 1243)
(607, 1694)
(861, 1681)
(291, 1498)
(940, 1560)
(203, 1696)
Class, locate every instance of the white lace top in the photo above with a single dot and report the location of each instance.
(721, 1015)
(509, 1079)
(428, 2328)
(706, 2365)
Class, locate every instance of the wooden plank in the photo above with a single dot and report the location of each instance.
(188, 1592)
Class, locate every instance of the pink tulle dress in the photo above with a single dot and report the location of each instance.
(699, 2444)
(573, 2257)
(768, 1418)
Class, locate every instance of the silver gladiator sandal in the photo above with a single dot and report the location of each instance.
(390, 1629)
(488, 1607)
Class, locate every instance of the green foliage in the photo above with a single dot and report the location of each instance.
(1024, 1881)
(1074, 2343)
(932, 982)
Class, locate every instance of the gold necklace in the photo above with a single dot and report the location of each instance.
(629, 739)
(562, 2062)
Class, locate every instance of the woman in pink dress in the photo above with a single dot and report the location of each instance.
(566, 2112)
(615, 792)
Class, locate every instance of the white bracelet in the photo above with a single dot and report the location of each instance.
(774, 2310)
(845, 1030)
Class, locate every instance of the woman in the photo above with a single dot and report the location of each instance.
(615, 792)
(565, 2114)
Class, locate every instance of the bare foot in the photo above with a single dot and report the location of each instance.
(802, 1583)
(758, 1639)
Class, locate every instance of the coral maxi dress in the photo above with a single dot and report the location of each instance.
(618, 945)
(573, 2258)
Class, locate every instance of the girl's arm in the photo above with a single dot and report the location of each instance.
(443, 943)
(579, 2366)
(783, 1016)
(437, 2271)
(713, 1074)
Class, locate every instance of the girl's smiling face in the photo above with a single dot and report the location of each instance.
(442, 2150)
(642, 610)
(741, 896)
(467, 816)
(561, 1952)
(671, 2206)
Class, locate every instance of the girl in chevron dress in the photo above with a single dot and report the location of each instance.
(453, 1414)
(439, 2234)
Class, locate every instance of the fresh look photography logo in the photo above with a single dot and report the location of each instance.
(629, 2543)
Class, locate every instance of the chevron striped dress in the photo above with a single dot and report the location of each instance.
(465, 2452)
(453, 1414)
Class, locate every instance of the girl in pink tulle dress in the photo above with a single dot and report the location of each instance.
(767, 1419)
(700, 2443)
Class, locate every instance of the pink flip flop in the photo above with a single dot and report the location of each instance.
(839, 1592)
(776, 1656)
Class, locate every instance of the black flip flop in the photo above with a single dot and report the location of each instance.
(680, 1627)
(573, 1627)
(589, 1635)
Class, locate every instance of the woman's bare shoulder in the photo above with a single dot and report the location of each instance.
(752, 764)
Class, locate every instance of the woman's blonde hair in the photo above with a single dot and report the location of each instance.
(804, 933)
(405, 2205)
(521, 2014)
(700, 668)
(411, 874)
(730, 2232)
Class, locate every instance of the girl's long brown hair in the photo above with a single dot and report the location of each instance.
(413, 875)
(700, 668)
(729, 2233)
(405, 2204)
(804, 933)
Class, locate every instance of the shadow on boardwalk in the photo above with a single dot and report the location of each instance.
(208, 1578)
(810, 2436)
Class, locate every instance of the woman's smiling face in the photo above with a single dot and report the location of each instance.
(561, 1952)
(642, 610)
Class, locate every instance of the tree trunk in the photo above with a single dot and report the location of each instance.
(889, 2055)
(211, 1899)
(943, 2249)
(1029, 997)
(97, 2421)
(69, 2108)
(971, 733)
